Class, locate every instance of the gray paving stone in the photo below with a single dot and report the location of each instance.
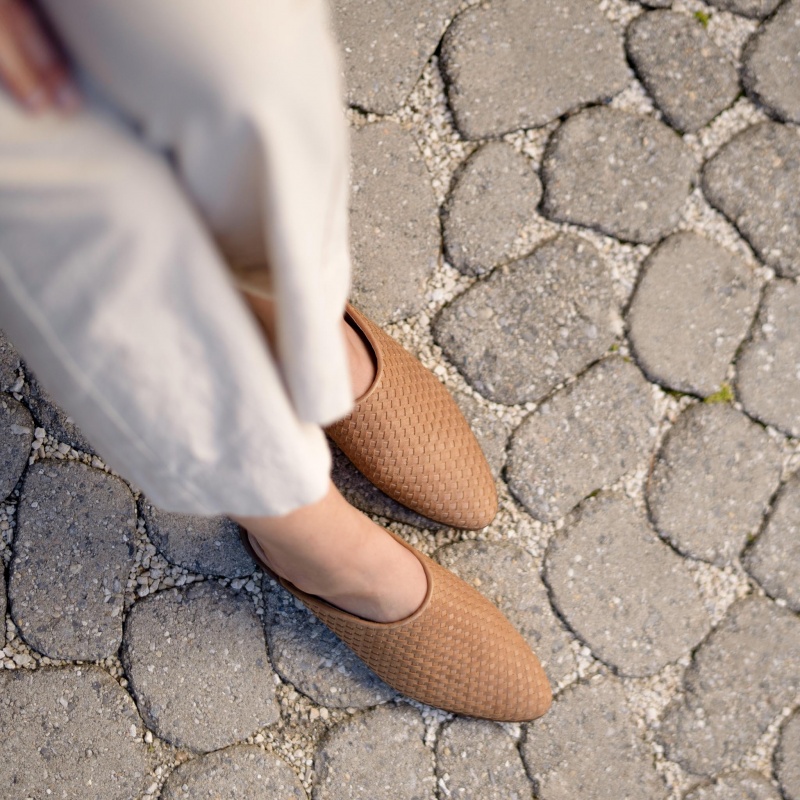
(736, 786)
(645, 611)
(692, 308)
(73, 553)
(521, 63)
(9, 363)
(740, 679)
(492, 433)
(208, 545)
(755, 9)
(478, 760)
(52, 418)
(656, 3)
(771, 63)
(394, 223)
(587, 746)
(385, 45)
(494, 195)
(16, 435)
(624, 174)
(531, 324)
(787, 758)
(712, 482)
(768, 378)
(509, 577)
(753, 181)
(242, 772)
(582, 438)
(76, 733)
(197, 664)
(378, 755)
(688, 76)
(774, 558)
(3, 606)
(313, 659)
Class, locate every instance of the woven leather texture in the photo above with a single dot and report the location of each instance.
(456, 652)
(410, 439)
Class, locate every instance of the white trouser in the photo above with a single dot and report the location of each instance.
(227, 136)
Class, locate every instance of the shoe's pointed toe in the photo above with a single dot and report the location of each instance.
(457, 651)
(534, 696)
(407, 435)
(483, 666)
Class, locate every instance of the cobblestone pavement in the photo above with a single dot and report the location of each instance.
(585, 218)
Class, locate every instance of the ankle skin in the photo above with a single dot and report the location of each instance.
(332, 550)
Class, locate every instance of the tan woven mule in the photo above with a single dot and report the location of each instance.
(456, 651)
(407, 436)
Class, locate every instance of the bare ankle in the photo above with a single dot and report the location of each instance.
(332, 550)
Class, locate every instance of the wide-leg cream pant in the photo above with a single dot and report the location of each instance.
(214, 137)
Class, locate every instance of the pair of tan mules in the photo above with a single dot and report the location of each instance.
(456, 651)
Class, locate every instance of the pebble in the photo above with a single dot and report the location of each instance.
(71, 730)
(712, 482)
(73, 552)
(494, 195)
(582, 438)
(552, 314)
(242, 772)
(740, 679)
(378, 754)
(690, 78)
(693, 306)
(208, 545)
(771, 63)
(753, 181)
(768, 369)
(16, 436)
(587, 746)
(394, 223)
(627, 175)
(197, 663)
(478, 760)
(623, 591)
(497, 82)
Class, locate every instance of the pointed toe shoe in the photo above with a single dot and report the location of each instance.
(408, 437)
(456, 652)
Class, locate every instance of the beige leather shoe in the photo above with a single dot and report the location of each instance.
(407, 436)
(456, 651)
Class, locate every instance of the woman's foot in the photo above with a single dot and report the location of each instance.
(359, 355)
(332, 550)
